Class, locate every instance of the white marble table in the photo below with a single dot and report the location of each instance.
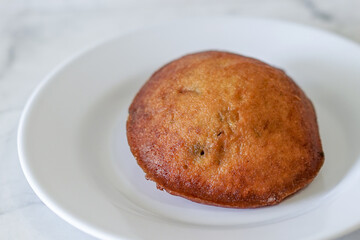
(36, 35)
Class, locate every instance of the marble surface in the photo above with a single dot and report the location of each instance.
(36, 35)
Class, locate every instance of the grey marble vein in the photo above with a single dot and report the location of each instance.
(10, 56)
(19, 207)
(316, 11)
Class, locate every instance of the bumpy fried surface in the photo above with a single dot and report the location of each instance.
(226, 130)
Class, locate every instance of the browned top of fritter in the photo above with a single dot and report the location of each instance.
(226, 130)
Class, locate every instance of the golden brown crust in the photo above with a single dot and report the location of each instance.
(226, 130)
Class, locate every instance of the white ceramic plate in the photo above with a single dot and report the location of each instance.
(74, 152)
